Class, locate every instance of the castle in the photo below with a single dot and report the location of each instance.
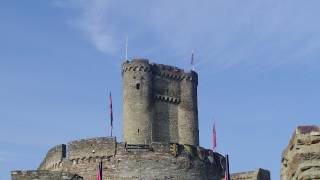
(160, 130)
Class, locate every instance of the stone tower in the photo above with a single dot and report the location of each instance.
(159, 104)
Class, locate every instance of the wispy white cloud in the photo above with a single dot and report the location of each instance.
(223, 33)
(93, 20)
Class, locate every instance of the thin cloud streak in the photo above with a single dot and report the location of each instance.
(223, 33)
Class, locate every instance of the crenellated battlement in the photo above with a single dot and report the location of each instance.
(83, 156)
(101, 146)
(93, 149)
(164, 71)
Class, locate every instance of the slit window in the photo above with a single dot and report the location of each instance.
(138, 86)
(138, 130)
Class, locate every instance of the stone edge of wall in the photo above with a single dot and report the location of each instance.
(42, 173)
(174, 149)
(165, 71)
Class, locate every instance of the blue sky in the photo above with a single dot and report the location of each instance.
(258, 66)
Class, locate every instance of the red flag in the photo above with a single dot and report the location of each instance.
(111, 114)
(214, 137)
(99, 171)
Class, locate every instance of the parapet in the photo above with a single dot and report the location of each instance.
(164, 71)
(54, 155)
(100, 146)
(259, 174)
(129, 161)
(43, 175)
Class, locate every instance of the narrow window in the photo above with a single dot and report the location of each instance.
(138, 130)
(138, 86)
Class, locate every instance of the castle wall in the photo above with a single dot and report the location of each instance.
(259, 174)
(301, 159)
(43, 175)
(137, 102)
(54, 156)
(161, 161)
(102, 146)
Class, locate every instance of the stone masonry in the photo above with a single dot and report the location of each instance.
(259, 174)
(44, 175)
(158, 161)
(301, 159)
(159, 104)
(160, 131)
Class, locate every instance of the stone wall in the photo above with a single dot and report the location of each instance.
(301, 159)
(54, 156)
(159, 104)
(259, 174)
(157, 161)
(102, 146)
(43, 175)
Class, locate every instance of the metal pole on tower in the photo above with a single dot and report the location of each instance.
(111, 114)
(127, 48)
(192, 61)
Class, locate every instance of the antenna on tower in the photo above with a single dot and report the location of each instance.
(127, 48)
(192, 61)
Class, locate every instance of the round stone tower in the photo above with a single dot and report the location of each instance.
(188, 110)
(137, 105)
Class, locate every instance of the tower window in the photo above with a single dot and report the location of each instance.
(138, 131)
(138, 86)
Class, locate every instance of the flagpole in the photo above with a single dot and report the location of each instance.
(111, 114)
(127, 48)
(227, 169)
(192, 61)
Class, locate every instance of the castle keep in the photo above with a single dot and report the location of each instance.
(159, 104)
(160, 129)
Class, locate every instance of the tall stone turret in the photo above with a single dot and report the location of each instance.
(188, 110)
(159, 104)
(137, 101)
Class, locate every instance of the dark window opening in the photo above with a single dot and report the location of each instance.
(138, 130)
(138, 86)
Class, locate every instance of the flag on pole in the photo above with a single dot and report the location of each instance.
(99, 171)
(111, 114)
(214, 137)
